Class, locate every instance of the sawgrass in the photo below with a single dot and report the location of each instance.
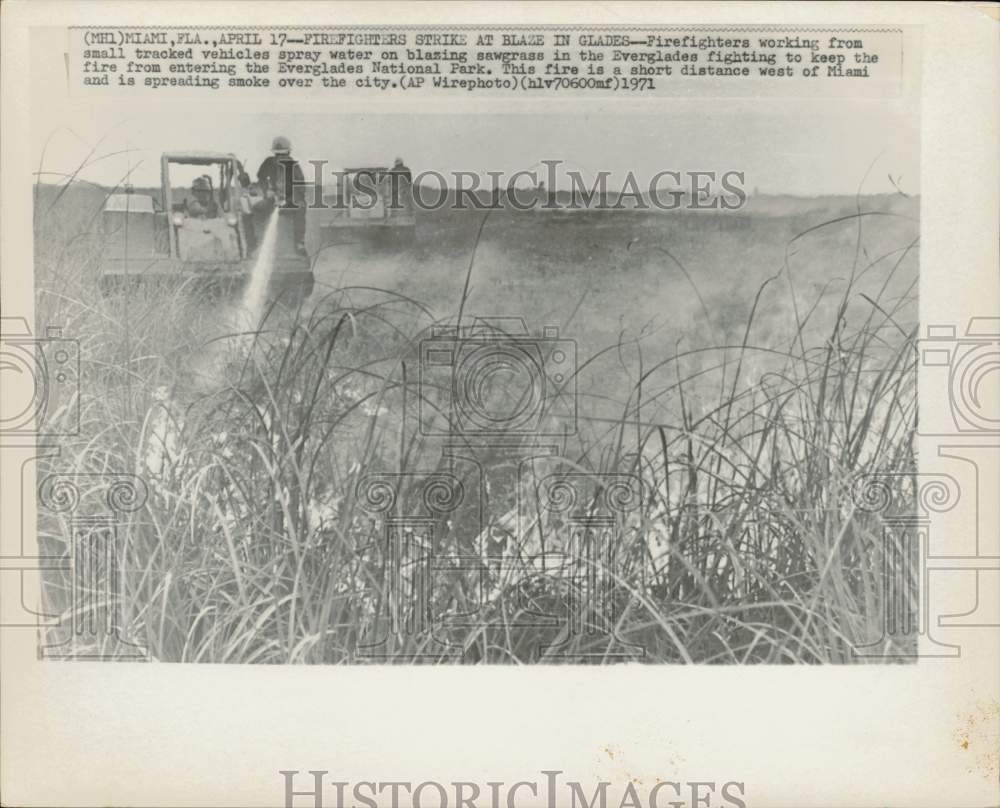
(256, 545)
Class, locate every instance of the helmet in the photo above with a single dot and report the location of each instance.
(281, 144)
(201, 184)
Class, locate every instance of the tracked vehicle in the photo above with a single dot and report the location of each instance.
(374, 205)
(204, 231)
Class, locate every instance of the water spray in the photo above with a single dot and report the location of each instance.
(254, 295)
(244, 316)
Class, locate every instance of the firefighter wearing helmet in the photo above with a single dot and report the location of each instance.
(282, 181)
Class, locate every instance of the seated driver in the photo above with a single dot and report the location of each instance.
(203, 205)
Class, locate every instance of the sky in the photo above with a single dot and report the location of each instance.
(806, 147)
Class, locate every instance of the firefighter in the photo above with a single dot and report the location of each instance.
(400, 186)
(281, 180)
(203, 205)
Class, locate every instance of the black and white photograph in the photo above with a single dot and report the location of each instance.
(379, 341)
(582, 387)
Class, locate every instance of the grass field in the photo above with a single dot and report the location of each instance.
(738, 371)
